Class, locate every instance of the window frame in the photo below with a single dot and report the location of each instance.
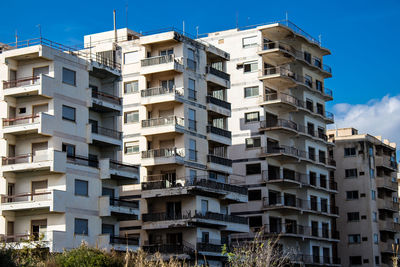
(252, 64)
(87, 226)
(254, 172)
(253, 120)
(126, 113)
(130, 83)
(86, 183)
(132, 152)
(66, 82)
(252, 89)
(255, 141)
(66, 118)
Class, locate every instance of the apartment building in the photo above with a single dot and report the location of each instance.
(279, 142)
(368, 197)
(60, 143)
(175, 117)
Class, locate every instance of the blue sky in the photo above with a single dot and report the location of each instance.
(362, 35)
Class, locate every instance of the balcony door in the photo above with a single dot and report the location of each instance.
(174, 239)
(38, 228)
(39, 187)
(39, 151)
(174, 210)
(10, 231)
(10, 191)
(11, 154)
(108, 229)
(40, 70)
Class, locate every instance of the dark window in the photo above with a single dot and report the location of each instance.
(253, 168)
(318, 85)
(81, 226)
(313, 178)
(353, 216)
(365, 260)
(350, 173)
(250, 67)
(68, 113)
(320, 109)
(251, 116)
(69, 76)
(255, 221)
(354, 239)
(355, 260)
(70, 149)
(253, 142)
(307, 57)
(377, 260)
(352, 195)
(310, 105)
(311, 153)
(349, 151)
(254, 195)
(81, 188)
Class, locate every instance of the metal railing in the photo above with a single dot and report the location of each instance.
(315, 259)
(163, 152)
(278, 123)
(23, 197)
(218, 73)
(219, 131)
(117, 202)
(157, 60)
(296, 229)
(20, 120)
(163, 121)
(282, 97)
(218, 102)
(208, 247)
(277, 44)
(170, 248)
(303, 204)
(25, 81)
(38, 156)
(107, 97)
(116, 165)
(122, 240)
(279, 71)
(282, 149)
(106, 132)
(160, 91)
(84, 161)
(219, 160)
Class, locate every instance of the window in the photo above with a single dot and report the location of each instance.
(205, 237)
(253, 168)
(351, 173)
(204, 206)
(310, 105)
(131, 147)
(250, 67)
(376, 260)
(167, 52)
(308, 80)
(254, 195)
(131, 117)
(68, 113)
(249, 41)
(131, 87)
(255, 221)
(307, 57)
(192, 150)
(349, 151)
(191, 63)
(350, 195)
(70, 149)
(353, 216)
(313, 178)
(376, 238)
(253, 142)
(81, 188)
(192, 119)
(355, 260)
(250, 91)
(373, 194)
(81, 226)
(131, 57)
(311, 153)
(317, 62)
(320, 109)
(192, 175)
(318, 85)
(192, 89)
(22, 110)
(251, 116)
(69, 76)
(354, 239)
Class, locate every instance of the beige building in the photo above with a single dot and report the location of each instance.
(368, 197)
(60, 140)
(176, 125)
(279, 143)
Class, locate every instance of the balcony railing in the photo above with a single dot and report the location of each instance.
(163, 121)
(282, 149)
(218, 102)
(84, 161)
(157, 60)
(218, 73)
(279, 71)
(116, 165)
(329, 115)
(208, 247)
(219, 160)
(160, 91)
(303, 204)
(117, 202)
(219, 131)
(106, 132)
(121, 240)
(26, 81)
(23, 197)
(282, 46)
(27, 158)
(315, 259)
(170, 248)
(282, 97)
(278, 123)
(295, 229)
(20, 120)
(163, 152)
(107, 97)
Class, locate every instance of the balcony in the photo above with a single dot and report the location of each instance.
(42, 85)
(162, 156)
(316, 260)
(104, 102)
(160, 64)
(389, 226)
(178, 250)
(301, 231)
(218, 106)
(163, 125)
(385, 162)
(124, 173)
(45, 160)
(282, 153)
(42, 124)
(388, 204)
(118, 243)
(218, 77)
(156, 188)
(219, 135)
(280, 102)
(218, 163)
(157, 95)
(50, 239)
(121, 209)
(297, 204)
(314, 87)
(290, 179)
(387, 183)
(48, 200)
(209, 248)
(277, 53)
(279, 126)
(278, 77)
(106, 136)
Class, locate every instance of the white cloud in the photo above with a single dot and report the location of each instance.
(377, 117)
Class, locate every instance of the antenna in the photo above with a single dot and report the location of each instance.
(40, 30)
(115, 26)
(183, 27)
(287, 16)
(320, 39)
(197, 32)
(237, 19)
(126, 14)
(16, 38)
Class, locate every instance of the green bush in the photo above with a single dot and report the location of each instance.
(6, 258)
(84, 256)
